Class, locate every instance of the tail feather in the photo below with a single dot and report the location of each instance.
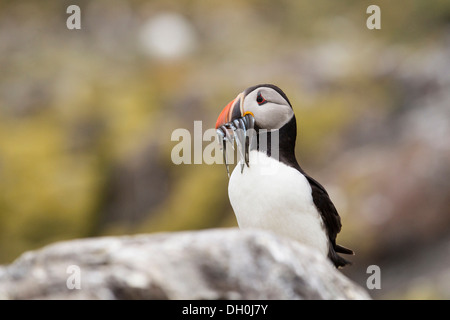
(337, 260)
(344, 250)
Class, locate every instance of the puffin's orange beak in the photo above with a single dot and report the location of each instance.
(233, 125)
(232, 111)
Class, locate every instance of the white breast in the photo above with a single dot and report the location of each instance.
(271, 195)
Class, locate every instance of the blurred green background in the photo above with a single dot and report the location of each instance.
(86, 118)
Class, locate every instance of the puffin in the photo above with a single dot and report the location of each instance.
(267, 188)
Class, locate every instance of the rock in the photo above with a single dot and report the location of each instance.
(211, 264)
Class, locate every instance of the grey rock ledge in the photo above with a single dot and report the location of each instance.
(211, 264)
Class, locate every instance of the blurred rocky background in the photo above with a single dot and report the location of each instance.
(86, 118)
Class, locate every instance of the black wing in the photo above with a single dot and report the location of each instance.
(320, 196)
(331, 220)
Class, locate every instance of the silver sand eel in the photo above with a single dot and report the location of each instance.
(241, 131)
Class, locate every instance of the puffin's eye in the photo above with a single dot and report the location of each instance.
(260, 99)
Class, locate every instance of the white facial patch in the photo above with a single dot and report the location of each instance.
(272, 114)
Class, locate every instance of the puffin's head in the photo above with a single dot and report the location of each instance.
(266, 103)
(261, 107)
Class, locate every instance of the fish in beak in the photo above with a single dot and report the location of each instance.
(233, 124)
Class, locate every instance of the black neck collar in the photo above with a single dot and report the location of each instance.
(287, 136)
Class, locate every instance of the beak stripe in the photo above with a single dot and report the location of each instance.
(224, 115)
(236, 112)
(232, 111)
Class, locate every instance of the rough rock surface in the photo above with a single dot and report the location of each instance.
(212, 264)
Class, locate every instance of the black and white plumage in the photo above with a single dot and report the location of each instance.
(269, 190)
